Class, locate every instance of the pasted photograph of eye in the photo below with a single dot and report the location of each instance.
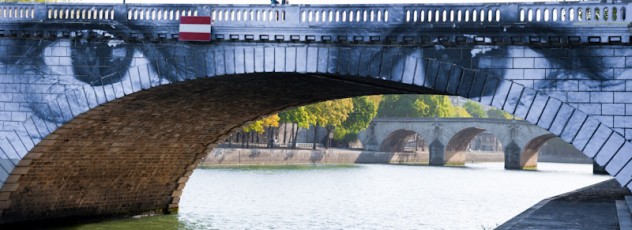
(297, 115)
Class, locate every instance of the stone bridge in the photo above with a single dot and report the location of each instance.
(449, 138)
(104, 112)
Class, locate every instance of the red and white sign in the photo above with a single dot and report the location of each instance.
(195, 28)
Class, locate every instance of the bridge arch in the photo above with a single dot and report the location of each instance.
(397, 140)
(529, 155)
(457, 145)
(97, 128)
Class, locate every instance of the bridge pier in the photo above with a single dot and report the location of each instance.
(512, 156)
(437, 151)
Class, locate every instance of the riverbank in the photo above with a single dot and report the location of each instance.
(263, 156)
(591, 207)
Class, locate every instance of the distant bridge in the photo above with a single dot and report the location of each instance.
(449, 138)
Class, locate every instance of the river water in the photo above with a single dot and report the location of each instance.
(478, 196)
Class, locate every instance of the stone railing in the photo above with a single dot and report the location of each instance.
(458, 23)
(438, 15)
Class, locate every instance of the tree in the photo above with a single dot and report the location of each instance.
(498, 114)
(260, 125)
(461, 112)
(434, 106)
(329, 114)
(364, 110)
(416, 106)
(398, 106)
(298, 116)
(474, 109)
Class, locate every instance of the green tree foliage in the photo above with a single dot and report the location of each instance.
(416, 106)
(475, 109)
(364, 110)
(434, 106)
(498, 114)
(397, 106)
(461, 112)
(329, 113)
(297, 115)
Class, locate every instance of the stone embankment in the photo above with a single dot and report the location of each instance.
(263, 156)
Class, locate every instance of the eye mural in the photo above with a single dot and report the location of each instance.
(569, 76)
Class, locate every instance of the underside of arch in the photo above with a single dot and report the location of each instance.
(397, 140)
(529, 155)
(455, 150)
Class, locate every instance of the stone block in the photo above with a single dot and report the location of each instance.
(536, 109)
(572, 127)
(561, 118)
(332, 60)
(176, 193)
(613, 109)
(528, 95)
(543, 63)
(622, 97)
(534, 74)
(355, 59)
(613, 62)
(259, 62)
(612, 145)
(513, 98)
(574, 97)
(585, 133)
(24, 163)
(389, 59)
(513, 74)
(602, 97)
(500, 94)
(606, 120)
(9, 187)
(409, 70)
(290, 58)
(597, 140)
(279, 59)
(322, 57)
(613, 85)
(622, 122)
(183, 180)
(523, 63)
(375, 62)
(625, 175)
(549, 113)
(592, 109)
(12, 179)
(589, 85)
(20, 170)
(249, 62)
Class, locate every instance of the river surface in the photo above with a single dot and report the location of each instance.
(478, 196)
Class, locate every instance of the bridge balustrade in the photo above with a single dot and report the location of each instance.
(354, 14)
(462, 14)
(456, 14)
(158, 13)
(564, 14)
(17, 12)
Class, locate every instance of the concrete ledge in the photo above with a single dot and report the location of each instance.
(591, 207)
